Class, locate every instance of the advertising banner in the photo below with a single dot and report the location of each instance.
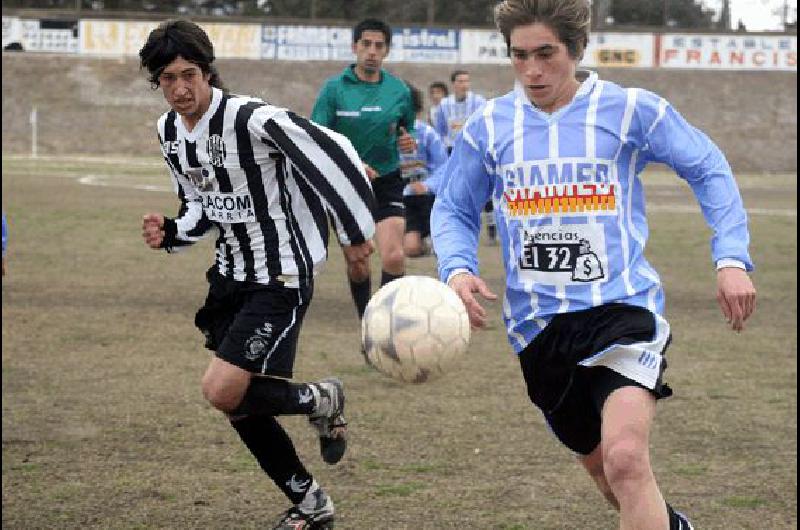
(302, 43)
(605, 49)
(630, 50)
(306, 43)
(119, 37)
(729, 52)
(425, 45)
(12, 30)
(59, 36)
(480, 46)
(234, 40)
(112, 37)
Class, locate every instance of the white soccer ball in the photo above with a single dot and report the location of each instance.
(413, 328)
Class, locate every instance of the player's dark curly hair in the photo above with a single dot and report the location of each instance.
(569, 20)
(174, 38)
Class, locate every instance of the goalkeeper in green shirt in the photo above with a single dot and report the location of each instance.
(373, 109)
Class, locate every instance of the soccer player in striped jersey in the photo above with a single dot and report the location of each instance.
(417, 169)
(561, 157)
(261, 178)
(453, 110)
(451, 115)
(437, 91)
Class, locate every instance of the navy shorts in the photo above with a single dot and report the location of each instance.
(388, 191)
(571, 396)
(252, 325)
(418, 213)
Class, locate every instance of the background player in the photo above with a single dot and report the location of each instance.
(373, 109)
(417, 169)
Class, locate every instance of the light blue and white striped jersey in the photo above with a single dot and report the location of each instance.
(422, 164)
(451, 115)
(569, 203)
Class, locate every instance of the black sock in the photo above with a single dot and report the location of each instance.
(275, 453)
(361, 292)
(387, 277)
(275, 397)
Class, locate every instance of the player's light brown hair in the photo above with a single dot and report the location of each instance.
(569, 20)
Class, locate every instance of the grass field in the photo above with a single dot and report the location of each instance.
(104, 425)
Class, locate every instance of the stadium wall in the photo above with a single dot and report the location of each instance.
(104, 106)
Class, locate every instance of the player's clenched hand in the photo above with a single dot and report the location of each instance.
(466, 285)
(153, 229)
(406, 142)
(371, 173)
(736, 296)
(357, 253)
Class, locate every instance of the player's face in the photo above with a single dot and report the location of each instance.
(461, 86)
(370, 50)
(543, 66)
(186, 88)
(437, 95)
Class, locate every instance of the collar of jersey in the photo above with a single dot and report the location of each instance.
(585, 88)
(216, 97)
(350, 75)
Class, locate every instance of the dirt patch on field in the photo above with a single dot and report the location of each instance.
(104, 106)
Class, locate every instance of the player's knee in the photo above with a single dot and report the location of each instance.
(625, 460)
(412, 249)
(394, 258)
(220, 395)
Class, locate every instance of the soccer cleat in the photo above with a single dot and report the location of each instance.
(685, 524)
(328, 419)
(315, 512)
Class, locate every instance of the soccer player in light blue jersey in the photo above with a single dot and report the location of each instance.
(418, 169)
(560, 156)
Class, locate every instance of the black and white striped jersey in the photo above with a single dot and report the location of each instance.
(266, 179)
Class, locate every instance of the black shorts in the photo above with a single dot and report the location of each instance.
(251, 325)
(418, 213)
(388, 191)
(571, 396)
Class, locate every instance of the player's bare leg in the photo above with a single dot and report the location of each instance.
(389, 238)
(625, 448)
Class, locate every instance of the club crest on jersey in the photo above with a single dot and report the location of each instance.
(201, 178)
(215, 147)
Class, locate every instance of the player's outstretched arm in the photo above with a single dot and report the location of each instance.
(736, 296)
(467, 285)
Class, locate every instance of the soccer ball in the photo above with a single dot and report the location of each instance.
(413, 328)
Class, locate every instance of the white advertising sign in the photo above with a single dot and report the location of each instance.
(37, 38)
(425, 45)
(12, 30)
(482, 46)
(729, 52)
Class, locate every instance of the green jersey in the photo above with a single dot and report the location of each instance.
(368, 114)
